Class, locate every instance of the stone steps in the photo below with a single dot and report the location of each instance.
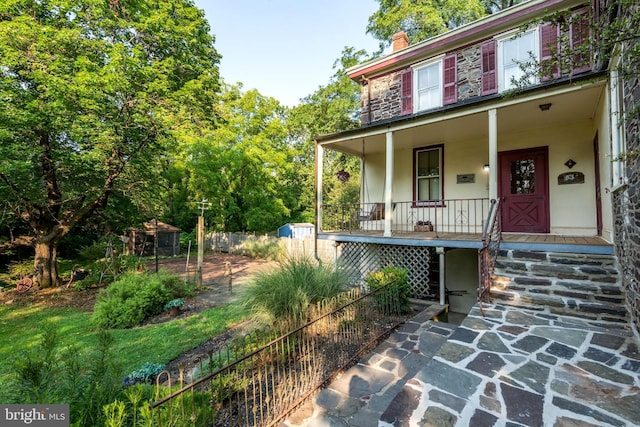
(582, 285)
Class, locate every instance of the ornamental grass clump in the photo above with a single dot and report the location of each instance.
(285, 294)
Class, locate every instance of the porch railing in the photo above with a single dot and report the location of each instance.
(260, 379)
(491, 237)
(441, 216)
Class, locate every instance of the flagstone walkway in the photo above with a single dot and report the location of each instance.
(510, 368)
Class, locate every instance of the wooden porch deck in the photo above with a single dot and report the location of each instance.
(540, 242)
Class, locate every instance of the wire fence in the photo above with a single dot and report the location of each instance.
(260, 378)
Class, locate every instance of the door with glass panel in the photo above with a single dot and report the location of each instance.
(524, 190)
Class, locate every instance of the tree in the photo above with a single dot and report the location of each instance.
(332, 108)
(422, 19)
(245, 166)
(90, 91)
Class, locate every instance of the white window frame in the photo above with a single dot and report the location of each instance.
(618, 140)
(511, 37)
(433, 62)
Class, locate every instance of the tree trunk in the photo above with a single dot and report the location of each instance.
(46, 264)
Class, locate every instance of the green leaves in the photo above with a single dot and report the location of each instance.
(91, 95)
(422, 19)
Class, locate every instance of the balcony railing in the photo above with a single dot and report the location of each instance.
(437, 217)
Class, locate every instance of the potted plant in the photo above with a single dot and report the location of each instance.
(174, 306)
(423, 226)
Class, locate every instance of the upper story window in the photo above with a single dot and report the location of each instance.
(427, 86)
(514, 53)
(430, 84)
(428, 175)
(504, 60)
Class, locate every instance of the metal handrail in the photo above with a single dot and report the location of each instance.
(487, 255)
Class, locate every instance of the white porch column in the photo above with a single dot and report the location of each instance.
(493, 153)
(388, 185)
(319, 166)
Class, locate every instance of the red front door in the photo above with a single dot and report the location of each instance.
(523, 183)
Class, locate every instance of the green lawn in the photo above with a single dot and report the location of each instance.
(20, 329)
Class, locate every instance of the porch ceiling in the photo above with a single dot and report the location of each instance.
(570, 103)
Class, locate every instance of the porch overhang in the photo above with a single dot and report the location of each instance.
(570, 101)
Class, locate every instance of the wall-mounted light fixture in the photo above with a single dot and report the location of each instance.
(544, 107)
(485, 168)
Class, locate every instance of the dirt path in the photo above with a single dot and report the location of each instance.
(215, 292)
(215, 279)
(215, 275)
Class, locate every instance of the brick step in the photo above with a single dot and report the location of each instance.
(581, 285)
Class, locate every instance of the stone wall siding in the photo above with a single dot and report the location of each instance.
(626, 200)
(469, 73)
(382, 96)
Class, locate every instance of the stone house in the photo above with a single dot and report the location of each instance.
(485, 178)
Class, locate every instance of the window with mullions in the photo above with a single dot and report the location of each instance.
(428, 175)
(514, 52)
(618, 142)
(427, 86)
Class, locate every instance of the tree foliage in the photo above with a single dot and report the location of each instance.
(91, 91)
(332, 108)
(422, 19)
(245, 166)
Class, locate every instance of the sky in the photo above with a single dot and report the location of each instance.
(286, 48)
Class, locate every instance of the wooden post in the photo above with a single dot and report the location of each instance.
(204, 205)
(230, 273)
(200, 236)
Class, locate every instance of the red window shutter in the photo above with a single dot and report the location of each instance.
(579, 35)
(549, 49)
(489, 75)
(450, 79)
(407, 91)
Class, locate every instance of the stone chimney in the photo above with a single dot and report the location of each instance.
(400, 40)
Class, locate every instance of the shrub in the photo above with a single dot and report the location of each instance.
(146, 374)
(136, 296)
(48, 374)
(263, 247)
(286, 293)
(394, 298)
(178, 302)
(93, 252)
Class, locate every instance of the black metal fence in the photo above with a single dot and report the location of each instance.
(463, 216)
(261, 378)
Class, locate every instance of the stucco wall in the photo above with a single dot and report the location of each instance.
(603, 127)
(572, 141)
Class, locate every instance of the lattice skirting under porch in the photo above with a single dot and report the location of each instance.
(360, 259)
